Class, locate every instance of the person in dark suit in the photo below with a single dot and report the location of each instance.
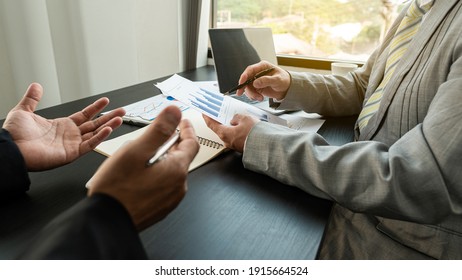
(125, 195)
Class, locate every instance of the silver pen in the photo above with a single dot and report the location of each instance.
(164, 148)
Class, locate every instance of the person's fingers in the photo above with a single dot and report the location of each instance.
(211, 123)
(104, 120)
(188, 144)
(160, 130)
(31, 98)
(253, 70)
(156, 134)
(253, 90)
(90, 111)
(236, 119)
(253, 93)
(225, 133)
(263, 82)
(93, 138)
(249, 72)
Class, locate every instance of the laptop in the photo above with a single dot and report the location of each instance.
(234, 49)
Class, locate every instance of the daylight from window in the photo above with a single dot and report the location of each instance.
(333, 29)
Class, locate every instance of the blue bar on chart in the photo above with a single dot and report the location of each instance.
(207, 101)
(214, 95)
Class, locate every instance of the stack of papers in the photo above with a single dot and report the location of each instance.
(217, 106)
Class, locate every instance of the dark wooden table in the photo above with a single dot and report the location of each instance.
(228, 213)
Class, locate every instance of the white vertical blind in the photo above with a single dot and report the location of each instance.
(29, 48)
(77, 48)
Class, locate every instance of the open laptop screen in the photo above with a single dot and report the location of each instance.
(234, 49)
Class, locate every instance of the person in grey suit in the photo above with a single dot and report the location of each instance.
(397, 190)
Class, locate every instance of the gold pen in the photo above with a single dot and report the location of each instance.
(249, 81)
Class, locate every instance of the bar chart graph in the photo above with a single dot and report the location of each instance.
(207, 101)
(219, 107)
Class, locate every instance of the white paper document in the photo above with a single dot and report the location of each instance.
(145, 111)
(219, 107)
(302, 121)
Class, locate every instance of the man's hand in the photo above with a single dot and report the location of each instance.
(46, 144)
(274, 85)
(149, 193)
(233, 136)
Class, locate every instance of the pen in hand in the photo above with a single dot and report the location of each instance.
(249, 81)
(162, 150)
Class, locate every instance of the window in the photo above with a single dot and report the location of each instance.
(322, 29)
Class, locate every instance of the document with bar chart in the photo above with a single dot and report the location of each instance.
(219, 107)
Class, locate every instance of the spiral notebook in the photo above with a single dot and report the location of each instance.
(210, 144)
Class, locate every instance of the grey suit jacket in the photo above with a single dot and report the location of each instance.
(398, 190)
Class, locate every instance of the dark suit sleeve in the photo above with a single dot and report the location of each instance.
(13, 171)
(98, 227)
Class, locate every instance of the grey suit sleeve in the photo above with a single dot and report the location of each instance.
(329, 95)
(418, 178)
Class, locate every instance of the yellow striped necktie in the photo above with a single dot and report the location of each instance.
(398, 46)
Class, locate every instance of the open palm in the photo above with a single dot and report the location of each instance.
(47, 144)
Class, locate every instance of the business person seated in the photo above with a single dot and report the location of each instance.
(397, 190)
(125, 196)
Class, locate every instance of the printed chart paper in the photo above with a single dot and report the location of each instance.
(219, 107)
